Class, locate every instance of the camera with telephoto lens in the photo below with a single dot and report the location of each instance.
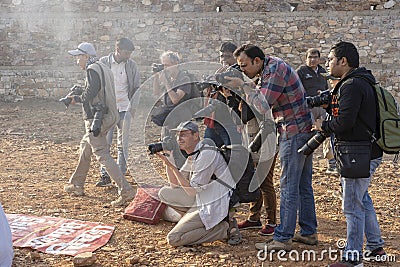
(167, 143)
(313, 143)
(156, 67)
(75, 90)
(99, 110)
(323, 98)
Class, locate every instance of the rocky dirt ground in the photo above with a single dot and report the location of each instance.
(39, 147)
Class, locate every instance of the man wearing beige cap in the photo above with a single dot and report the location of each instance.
(100, 114)
(193, 191)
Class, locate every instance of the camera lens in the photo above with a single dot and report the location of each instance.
(156, 147)
(312, 144)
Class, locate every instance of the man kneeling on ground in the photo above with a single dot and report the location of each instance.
(193, 191)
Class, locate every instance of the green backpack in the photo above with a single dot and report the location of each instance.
(389, 121)
(388, 133)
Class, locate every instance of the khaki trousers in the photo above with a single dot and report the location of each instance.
(190, 229)
(268, 197)
(100, 148)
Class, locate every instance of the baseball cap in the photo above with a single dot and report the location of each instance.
(186, 126)
(83, 48)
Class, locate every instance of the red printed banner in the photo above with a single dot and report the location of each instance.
(58, 235)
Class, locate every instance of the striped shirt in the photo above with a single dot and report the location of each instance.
(280, 88)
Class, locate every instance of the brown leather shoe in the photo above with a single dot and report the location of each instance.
(306, 239)
(275, 245)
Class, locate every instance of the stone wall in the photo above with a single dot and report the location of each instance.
(35, 34)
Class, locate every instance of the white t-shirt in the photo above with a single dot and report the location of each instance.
(6, 248)
(121, 84)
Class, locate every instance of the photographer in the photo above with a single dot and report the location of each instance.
(280, 88)
(221, 127)
(192, 190)
(100, 114)
(353, 110)
(311, 76)
(173, 85)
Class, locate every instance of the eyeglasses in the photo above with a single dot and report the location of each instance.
(184, 134)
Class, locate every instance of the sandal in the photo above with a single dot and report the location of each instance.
(234, 235)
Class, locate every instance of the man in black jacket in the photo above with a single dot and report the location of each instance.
(314, 83)
(353, 109)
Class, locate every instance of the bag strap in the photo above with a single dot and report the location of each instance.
(213, 177)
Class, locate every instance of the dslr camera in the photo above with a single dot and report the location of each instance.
(323, 98)
(167, 143)
(156, 67)
(231, 72)
(75, 90)
(99, 110)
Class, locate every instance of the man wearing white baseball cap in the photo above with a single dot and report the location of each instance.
(83, 48)
(100, 114)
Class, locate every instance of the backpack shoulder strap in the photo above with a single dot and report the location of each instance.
(367, 128)
(213, 177)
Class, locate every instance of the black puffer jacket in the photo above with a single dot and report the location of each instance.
(353, 102)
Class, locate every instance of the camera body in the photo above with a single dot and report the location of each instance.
(75, 90)
(313, 143)
(231, 72)
(324, 98)
(99, 110)
(156, 67)
(167, 143)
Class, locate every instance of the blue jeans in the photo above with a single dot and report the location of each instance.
(296, 189)
(123, 127)
(360, 215)
(223, 135)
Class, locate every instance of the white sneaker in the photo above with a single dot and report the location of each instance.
(171, 215)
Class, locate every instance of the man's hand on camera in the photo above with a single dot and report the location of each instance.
(72, 97)
(167, 158)
(234, 82)
(317, 125)
(225, 92)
